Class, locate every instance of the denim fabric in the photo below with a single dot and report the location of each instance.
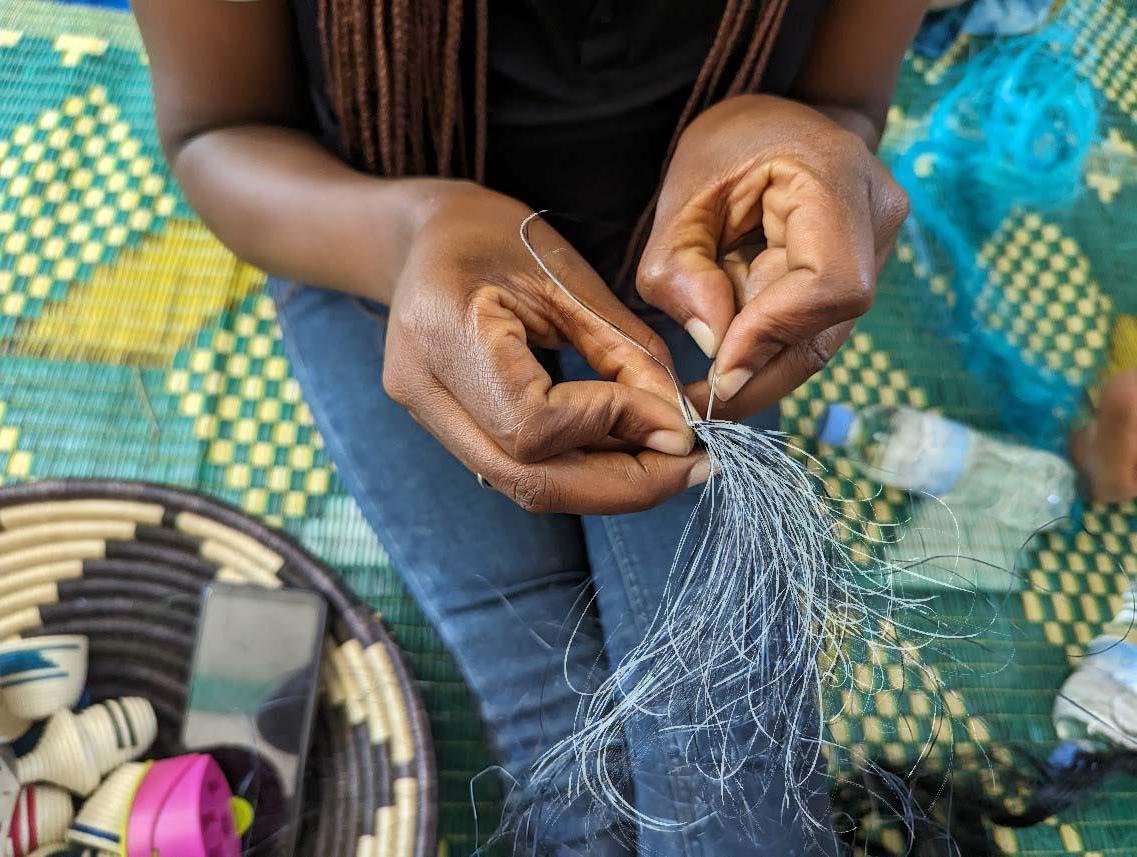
(507, 589)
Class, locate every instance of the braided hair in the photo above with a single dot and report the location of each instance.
(394, 77)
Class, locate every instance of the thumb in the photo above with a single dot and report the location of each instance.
(679, 272)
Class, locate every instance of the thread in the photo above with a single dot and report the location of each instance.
(684, 407)
(765, 613)
(1014, 132)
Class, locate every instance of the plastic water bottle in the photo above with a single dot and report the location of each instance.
(1022, 487)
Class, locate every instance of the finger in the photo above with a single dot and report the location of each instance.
(679, 272)
(576, 482)
(736, 270)
(787, 371)
(612, 444)
(616, 343)
(607, 483)
(750, 279)
(585, 413)
(830, 277)
(620, 347)
(767, 268)
(507, 391)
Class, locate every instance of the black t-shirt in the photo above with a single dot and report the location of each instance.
(584, 96)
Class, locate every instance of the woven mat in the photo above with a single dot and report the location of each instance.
(133, 345)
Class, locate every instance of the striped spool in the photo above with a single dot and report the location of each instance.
(124, 563)
(42, 814)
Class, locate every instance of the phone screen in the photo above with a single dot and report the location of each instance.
(252, 697)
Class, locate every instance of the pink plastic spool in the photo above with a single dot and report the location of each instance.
(183, 810)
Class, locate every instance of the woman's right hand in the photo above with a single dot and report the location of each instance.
(465, 308)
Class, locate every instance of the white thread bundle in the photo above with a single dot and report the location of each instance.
(763, 611)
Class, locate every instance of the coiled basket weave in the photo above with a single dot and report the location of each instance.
(124, 563)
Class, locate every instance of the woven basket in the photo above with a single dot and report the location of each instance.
(124, 564)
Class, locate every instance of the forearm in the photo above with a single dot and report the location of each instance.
(282, 202)
(854, 62)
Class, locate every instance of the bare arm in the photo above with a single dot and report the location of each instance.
(231, 111)
(465, 298)
(851, 70)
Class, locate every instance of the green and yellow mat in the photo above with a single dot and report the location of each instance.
(133, 345)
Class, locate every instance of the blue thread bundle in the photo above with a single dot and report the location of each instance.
(1013, 133)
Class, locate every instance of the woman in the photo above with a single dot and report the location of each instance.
(318, 139)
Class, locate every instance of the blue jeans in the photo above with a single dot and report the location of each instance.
(506, 588)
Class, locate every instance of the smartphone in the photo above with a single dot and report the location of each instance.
(252, 698)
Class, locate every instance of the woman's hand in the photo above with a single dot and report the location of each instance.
(772, 226)
(465, 309)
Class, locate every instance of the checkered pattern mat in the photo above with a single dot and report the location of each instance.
(133, 345)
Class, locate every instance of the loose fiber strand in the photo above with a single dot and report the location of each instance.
(765, 612)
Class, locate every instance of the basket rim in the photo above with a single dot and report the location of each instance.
(348, 609)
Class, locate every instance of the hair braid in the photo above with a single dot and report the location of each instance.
(481, 108)
(401, 68)
(450, 84)
(335, 19)
(361, 67)
(383, 90)
(724, 43)
(758, 52)
(416, 110)
(394, 80)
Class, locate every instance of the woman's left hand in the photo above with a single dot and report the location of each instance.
(759, 173)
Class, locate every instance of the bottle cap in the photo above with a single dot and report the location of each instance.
(243, 814)
(836, 425)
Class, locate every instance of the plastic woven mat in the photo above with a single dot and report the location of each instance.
(133, 345)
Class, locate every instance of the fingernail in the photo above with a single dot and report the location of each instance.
(700, 473)
(731, 382)
(702, 334)
(670, 442)
(694, 411)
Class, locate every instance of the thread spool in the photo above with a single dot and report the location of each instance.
(42, 813)
(42, 675)
(78, 750)
(12, 728)
(101, 822)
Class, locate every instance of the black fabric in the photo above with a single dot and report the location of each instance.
(583, 98)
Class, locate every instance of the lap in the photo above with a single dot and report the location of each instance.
(499, 584)
(503, 587)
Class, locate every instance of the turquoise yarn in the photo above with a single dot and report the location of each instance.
(1013, 133)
